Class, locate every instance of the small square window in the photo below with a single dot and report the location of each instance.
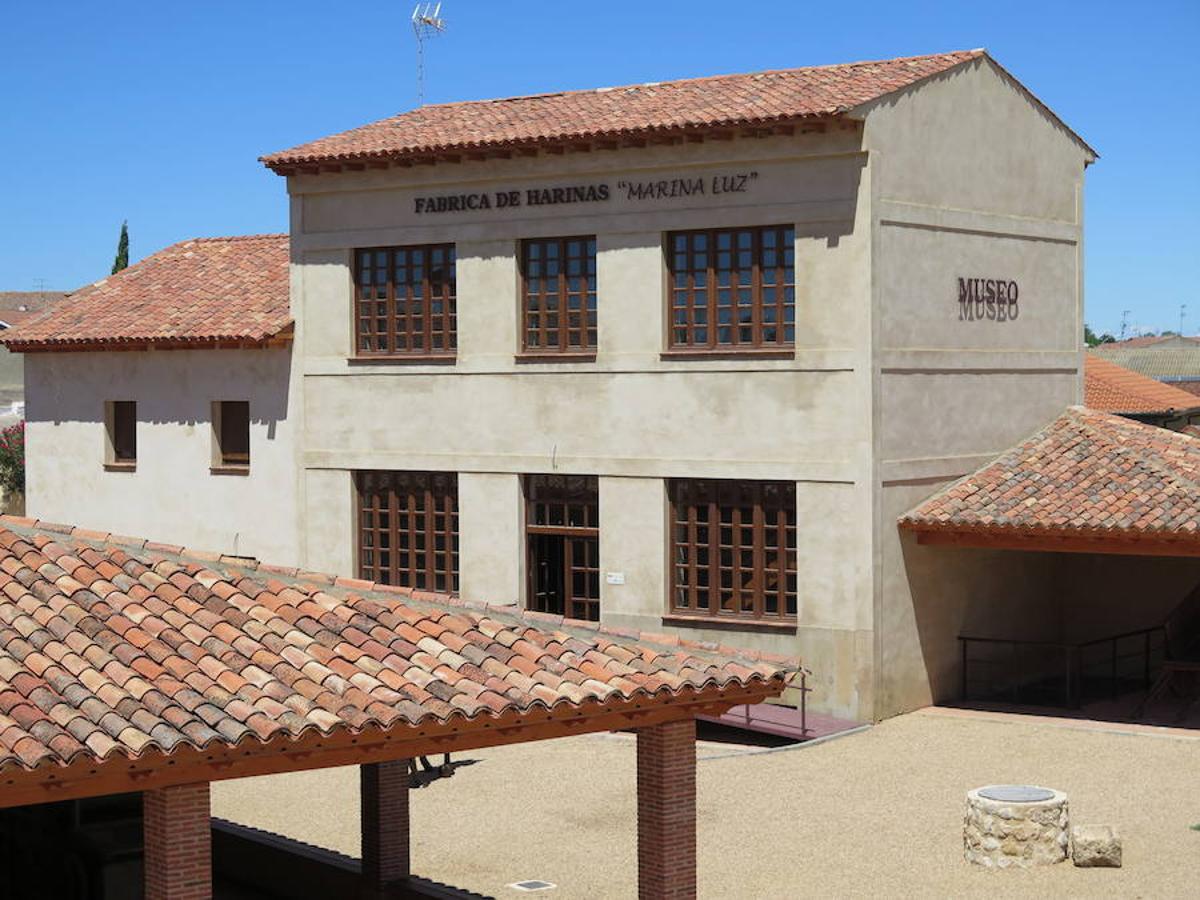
(120, 422)
(231, 430)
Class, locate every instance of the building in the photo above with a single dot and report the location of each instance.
(1115, 389)
(675, 356)
(171, 378)
(1174, 359)
(17, 307)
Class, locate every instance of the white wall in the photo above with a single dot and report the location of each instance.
(171, 497)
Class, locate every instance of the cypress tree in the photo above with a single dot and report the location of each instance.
(122, 260)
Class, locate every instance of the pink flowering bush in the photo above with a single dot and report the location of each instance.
(12, 458)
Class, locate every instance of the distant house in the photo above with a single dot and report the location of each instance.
(1173, 359)
(17, 307)
(1114, 389)
(170, 378)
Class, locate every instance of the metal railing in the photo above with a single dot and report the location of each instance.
(1052, 673)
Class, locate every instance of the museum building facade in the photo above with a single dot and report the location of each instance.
(673, 357)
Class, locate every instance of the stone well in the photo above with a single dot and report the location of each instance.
(1019, 826)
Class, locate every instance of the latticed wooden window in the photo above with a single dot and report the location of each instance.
(405, 301)
(562, 529)
(559, 295)
(733, 549)
(733, 288)
(408, 529)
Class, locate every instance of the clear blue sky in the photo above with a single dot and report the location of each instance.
(156, 112)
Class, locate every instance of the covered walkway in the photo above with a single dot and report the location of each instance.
(1095, 597)
(133, 667)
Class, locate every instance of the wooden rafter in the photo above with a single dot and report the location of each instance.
(1119, 545)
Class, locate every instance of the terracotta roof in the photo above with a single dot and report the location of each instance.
(1178, 360)
(638, 110)
(1115, 389)
(113, 650)
(20, 306)
(198, 292)
(1087, 474)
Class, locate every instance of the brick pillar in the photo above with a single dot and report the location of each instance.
(666, 784)
(383, 789)
(177, 842)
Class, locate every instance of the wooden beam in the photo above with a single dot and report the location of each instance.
(1114, 545)
(154, 769)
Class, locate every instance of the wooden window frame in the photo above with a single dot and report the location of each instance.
(698, 543)
(413, 558)
(393, 325)
(558, 302)
(114, 459)
(577, 500)
(224, 460)
(702, 319)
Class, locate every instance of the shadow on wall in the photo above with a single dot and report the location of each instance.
(1007, 594)
(169, 386)
(1022, 595)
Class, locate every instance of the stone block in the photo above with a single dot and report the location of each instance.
(1096, 846)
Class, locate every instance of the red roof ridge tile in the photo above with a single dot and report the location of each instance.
(696, 79)
(766, 97)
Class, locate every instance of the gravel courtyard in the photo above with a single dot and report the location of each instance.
(874, 813)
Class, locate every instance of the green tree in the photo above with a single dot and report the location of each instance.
(1091, 339)
(12, 458)
(122, 260)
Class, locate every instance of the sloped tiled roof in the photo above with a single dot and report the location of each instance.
(202, 291)
(1177, 360)
(112, 650)
(1087, 474)
(638, 110)
(1115, 389)
(20, 306)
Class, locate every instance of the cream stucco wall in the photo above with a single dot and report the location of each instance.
(631, 417)
(172, 496)
(972, 179)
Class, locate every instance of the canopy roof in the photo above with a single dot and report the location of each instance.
(1089, 481)
(126, 665)
(202, 292)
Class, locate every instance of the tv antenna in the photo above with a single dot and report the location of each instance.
(427, 22)
(1124, 321)
(1182, 315)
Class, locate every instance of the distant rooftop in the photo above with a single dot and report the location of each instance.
(1162, 357)
(201, 292)
(1109, 387)
(20, 306)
